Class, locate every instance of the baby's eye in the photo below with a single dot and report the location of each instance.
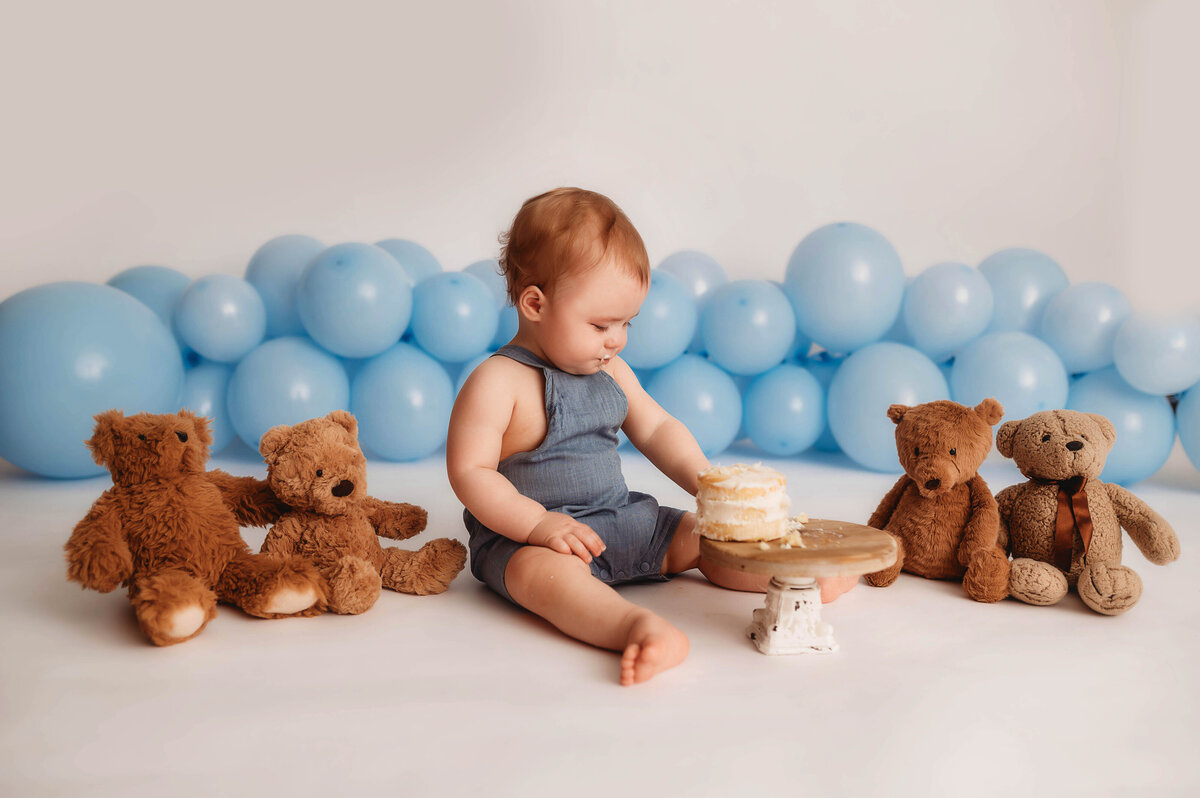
(600, 327)
(628, 324)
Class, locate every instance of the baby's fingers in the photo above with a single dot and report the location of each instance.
(578, 549)
(593, 542)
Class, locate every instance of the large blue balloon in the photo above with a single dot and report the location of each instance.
(1080, 323)
(701, 274)
(1020, 371)
(222, 317)
(206, 393)
(1023, 281)
(489, 272)
(67, 352)
(703, 397)
(402, 401)
(823, 366)
(274, 271)
(506, 328)
(748, 326)
(284, 381)
(354, 300)
(846, 283)
(455, 316)
(156, 287)
(868, 382)
(945, 308)
(784, 410)
(1187, 416)
(665, 324)
(1159, 354)
(417, 262)
(1145, 424)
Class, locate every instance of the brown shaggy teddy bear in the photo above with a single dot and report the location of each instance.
(941, 512)
(169, 530)
(1063, 526)
(318, 468)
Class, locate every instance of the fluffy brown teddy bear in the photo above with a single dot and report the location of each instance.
(941, 512)
(169, 530)
(318, 468)
(1063, 526)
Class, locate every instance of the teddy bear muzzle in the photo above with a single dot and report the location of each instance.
(343, 489)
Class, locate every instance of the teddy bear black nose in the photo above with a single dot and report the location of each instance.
(182, 436)
(933, 484)
(343, 488)
(1075, 446)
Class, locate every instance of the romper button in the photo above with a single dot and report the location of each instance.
(620, 574)
(603, 574)
(645, 566)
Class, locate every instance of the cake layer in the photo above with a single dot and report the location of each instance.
(742, 502)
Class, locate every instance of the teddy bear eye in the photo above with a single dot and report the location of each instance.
(320, 473)
(1046, 437)
(182, 436)
(141, 437)
(916, 451)
(953, 452)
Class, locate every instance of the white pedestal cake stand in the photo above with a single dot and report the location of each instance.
(790, 623)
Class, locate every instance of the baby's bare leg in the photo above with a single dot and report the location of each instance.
(561, 589)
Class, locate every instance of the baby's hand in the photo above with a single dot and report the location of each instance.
(562, 533)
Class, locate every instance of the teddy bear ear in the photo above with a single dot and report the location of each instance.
(272, 441)
(990, 411)
(896, 412)
(345, 419)
(1004, 437)
(199, 427)
(103, 443)
(1106, 427)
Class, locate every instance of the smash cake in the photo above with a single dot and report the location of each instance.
(745, 503)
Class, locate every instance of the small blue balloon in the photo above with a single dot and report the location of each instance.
(823, 366)
(1145, 424)
(455, 316)
(156, 287)
(701, 274)
(1080, 323)
(868, 382)
(488, 270)
(284, 381)
(1021, 372)
(465, 370)
(67, 352)
(1187, 416)
(206, 393)
(665, 324)
(274, 271)
(1158, 354)
(748, 326)
(506, 328)
(402, 400)
(354, 300)
(222, 317)
(417, 262)
(1023, 281)
(846, 284)
(784, 410)
(703, 397)
(945, 308)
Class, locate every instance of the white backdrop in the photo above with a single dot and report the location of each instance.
(186, 135)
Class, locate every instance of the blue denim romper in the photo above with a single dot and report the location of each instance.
(576, 470)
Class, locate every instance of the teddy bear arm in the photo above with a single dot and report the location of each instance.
(98, 556)
(283, 538)
(883, 513)
(1149, 531)
(1004, 505)
(250, 500)
(983, 526)
(395, 520)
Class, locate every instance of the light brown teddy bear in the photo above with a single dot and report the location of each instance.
(1063, 526)
(169, 530)
(318, 468)
(941, 512)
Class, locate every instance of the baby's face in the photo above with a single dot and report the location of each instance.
(587, 319)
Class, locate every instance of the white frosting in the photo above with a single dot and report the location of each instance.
(763, 514)
(742, 476)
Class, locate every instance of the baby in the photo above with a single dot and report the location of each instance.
(532, 446)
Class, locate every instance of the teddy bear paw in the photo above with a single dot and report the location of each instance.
(289, 600)
(987, 576)
(883, 578)
(1109, 589)
(354, 586)
(1035, 582)
(444, 559)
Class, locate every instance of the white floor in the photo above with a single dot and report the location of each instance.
(459, 694)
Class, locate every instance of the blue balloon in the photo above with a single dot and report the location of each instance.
(488, 270)
(284, 381)
(748, 326)
(222, 317)
(701, 274)
(455, 316)
(417, 262)
(354, 300)
(1187, 416)
(156, 287)
(506, 328)
(784, 410)
(464, 371)
(67, 352)
(945, 308)
(703, 397)
(1158, 354)
(402, 401)
(206, 393)
(846, 284)
(274, 271)
(823, 366)
(1145, 424)
(868, 382)
(1021, 372)
(665, 324)
(1023, 281)
(1080, 323)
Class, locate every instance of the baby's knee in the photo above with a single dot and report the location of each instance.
(536, 562)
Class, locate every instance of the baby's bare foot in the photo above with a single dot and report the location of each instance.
(652, 645)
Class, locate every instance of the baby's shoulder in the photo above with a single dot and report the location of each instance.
(499, 377)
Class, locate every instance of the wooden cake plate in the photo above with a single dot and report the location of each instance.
(790, 623)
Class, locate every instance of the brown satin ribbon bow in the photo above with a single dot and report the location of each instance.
(1073, 516)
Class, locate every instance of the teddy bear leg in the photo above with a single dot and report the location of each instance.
(354, 586)
(1035, 582)
(888, 575)
(987, 576)
(171, 606)
(268, 586)
(428, 570)
(1109, 588)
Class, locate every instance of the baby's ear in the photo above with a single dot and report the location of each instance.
(272, 441)
(1004, 437)
(990, 411)
(531, 302)
(896, 412)
(346, 420)
(199, 427)
(103, 442)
